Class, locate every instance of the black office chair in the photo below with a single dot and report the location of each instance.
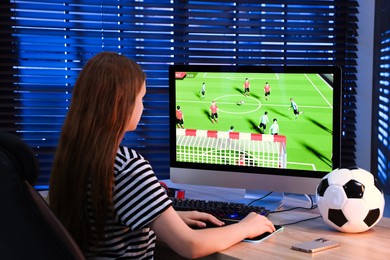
(28, 228)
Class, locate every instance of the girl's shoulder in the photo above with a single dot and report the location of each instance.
(126, 155)
(126, 152)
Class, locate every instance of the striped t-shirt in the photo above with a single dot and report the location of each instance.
(138, 199)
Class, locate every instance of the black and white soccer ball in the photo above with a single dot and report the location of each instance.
(350, 200)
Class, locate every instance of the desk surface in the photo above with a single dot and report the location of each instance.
(372, 244)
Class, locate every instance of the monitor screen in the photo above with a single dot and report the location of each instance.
(274, 128)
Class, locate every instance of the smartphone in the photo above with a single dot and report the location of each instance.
(264, 235)
(316, 245)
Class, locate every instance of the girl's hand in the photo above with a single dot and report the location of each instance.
(199, 219)
(257, 224)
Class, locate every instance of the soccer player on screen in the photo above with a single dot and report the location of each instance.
(274, 129)
(263, 122)
(294, 106)
(179, 118)
(214, 112)
(203, 90)
(246, 87)
(241, 159)
(267, 90)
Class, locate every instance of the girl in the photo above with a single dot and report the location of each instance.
(107, 195)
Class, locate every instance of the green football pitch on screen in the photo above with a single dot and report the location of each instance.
(308, 135)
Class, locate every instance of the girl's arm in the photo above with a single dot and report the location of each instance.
(191, 243)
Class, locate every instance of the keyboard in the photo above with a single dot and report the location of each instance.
(220, 209)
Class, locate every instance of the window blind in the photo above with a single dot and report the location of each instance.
(380, 161)
(45, 43)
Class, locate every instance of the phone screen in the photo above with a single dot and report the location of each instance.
(264, 235)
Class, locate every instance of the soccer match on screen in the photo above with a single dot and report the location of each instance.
(273, 120)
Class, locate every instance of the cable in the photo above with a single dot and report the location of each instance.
(266, 195)
(313, 206)
(302, 220)
(294, 208)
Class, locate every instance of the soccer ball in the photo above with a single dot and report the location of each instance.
(349, 200)
(242, 102)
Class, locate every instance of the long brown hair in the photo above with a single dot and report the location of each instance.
(101, 106)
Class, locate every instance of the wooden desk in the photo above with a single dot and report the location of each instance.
(372, 244)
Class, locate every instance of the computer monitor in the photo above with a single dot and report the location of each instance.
(232, 148)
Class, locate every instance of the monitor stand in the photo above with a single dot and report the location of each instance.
(270, 200)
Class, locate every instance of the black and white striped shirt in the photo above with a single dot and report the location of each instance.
(138, 199)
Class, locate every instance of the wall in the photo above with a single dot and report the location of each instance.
(364, 83)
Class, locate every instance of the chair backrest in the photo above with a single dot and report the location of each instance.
(28, 228)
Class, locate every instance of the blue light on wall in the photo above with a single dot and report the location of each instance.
(383, 100)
